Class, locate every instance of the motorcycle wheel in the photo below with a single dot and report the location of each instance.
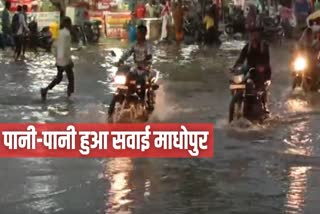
(306, 85)
(117, 115)
(95, 39)
(294, 83)
(142, 113)
(235, 108)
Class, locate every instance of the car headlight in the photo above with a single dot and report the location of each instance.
(300, 64)
(120, 80)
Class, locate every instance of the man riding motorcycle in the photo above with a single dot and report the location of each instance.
(309, 47)
(142, 53)
(256, 54)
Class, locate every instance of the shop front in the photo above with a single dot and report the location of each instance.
(15, 3)
(114, 14)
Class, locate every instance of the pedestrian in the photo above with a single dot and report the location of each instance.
(141, 11)
(178, 20)
(62, 51)
(215, 12)
(251, 19)
(25, 34)
(165, 14)
(6, 25)
(19, 26)
(151, 9)
(209, 28)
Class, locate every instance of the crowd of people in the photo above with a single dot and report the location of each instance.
(15, 30)
(174, 14)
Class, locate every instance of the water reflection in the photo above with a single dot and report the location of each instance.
(297, 189)
(300, 140)
(117, 172)
(297, 105)
(40, 188)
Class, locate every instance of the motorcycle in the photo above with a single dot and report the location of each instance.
(235, 25)
(302, 73)
(135, 93)
(42, 39)
(78, 36)
(45, 39)
(92, 31)
(273, 30)
(192, 32)
(246, 99)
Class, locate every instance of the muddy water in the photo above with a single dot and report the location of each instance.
(272, 168)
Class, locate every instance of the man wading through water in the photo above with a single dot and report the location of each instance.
(62, 51)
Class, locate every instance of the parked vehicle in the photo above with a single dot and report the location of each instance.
(92, 31)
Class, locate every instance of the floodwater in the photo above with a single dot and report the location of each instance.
(272, 168)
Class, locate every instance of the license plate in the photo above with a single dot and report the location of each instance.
(237, 86)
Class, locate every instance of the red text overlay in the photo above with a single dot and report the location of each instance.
(106, 140)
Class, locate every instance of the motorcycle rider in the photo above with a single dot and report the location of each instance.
(142, 54)
(256, 54)
(306, 39)
(309, 45)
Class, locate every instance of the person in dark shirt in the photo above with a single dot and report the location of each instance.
(25, 35)
(256, 55)
(6, 26)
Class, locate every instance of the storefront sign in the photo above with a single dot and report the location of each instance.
(15, 3)
(44, 19)
(115, 23)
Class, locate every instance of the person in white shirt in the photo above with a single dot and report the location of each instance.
(62, 52)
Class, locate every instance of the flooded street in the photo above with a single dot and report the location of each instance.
(272, 168)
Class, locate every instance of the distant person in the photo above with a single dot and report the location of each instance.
(25, 34)
(6, 25)
(19, 26)
(178, 15)
(209, 28)
(141, 11)
(151, 9)
(251, 19)
(215, 13)
(165, 14)
(62, 52)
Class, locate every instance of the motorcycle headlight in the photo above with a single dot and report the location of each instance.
(120, 80)
(100, 26)
(238, 78)
(300, 64)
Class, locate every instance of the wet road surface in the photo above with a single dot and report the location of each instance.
(272, 168)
